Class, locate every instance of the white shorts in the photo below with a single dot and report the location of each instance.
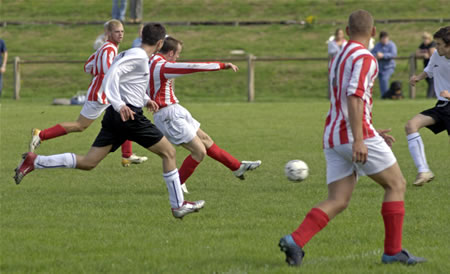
(340, 165)
(176, 123)
(93, 109)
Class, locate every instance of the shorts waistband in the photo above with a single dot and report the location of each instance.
(441, 103)
(135, 109)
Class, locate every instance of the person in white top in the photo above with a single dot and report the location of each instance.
(125, 86)
(337, 43)
(437, 119)
(176, 123)
(97, 66)
(352, 146)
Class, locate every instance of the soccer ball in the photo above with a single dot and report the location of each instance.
(296, 170)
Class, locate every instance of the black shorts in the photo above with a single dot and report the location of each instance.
(441, 115)
(114, 131)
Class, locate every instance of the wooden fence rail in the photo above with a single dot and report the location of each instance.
(250, 59)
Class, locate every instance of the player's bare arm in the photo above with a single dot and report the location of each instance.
(355, 113)
(416, 78)
(231, 66)
(389, 139)
(152, 106)
(445, 94)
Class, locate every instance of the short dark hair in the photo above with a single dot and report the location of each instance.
(383, 34)
(360, 22)
(444, 34)
(152, 33)
(170, 43)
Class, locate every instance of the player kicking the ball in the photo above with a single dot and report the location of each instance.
(176, 122)
(437, 119)
(352, 146)
(125, 87)
(97, 65)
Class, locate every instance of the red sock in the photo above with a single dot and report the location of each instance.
(393, 213)
(187, 168)
(314, 222)
(127, 149)
(52, 132)
(224, 157)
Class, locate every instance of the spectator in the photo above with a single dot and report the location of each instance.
(118, 12)
(336, 43)
(138, 41)
(385, 51)
(135, 11)
(425, 50)
(3, 59)
(394, 92)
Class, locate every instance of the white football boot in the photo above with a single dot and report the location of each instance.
(35, 139)
(245, 166)
(133, 159)
(187, 208)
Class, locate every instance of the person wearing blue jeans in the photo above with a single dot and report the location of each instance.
(118, 12)
(385, 51)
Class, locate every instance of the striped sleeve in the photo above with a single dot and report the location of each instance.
(173, 69)
(107, 58)
(89, 65)
(363, 69)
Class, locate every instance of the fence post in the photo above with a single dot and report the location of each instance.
(412, 71)
(251, 77)
(16, 78)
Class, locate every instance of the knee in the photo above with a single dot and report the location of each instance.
(199, 154)
(397, 185)
(410, 127)
(168, 153)
(340, 204)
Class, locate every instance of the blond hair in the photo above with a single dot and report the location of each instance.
(111, 24)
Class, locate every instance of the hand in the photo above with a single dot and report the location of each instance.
(413, 80)
(126, 113)
(380, 55)
(445, 94)
(389, 139)
(152, 106)
(2, 69)
(360, 152)
(231, 66)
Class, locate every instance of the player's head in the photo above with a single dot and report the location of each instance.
(171, 48)
(384, 37)
(360, 25)
(442, 39)
(153, 35)
(114, 31)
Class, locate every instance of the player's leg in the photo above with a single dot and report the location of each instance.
(198, 153)
(180, 207)
(32, 161)
(339, 194)
(393, 212)
(416, 147)
(214, 151)
(128, 157)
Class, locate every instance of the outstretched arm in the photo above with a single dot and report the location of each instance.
(416, 78)
(173, 70)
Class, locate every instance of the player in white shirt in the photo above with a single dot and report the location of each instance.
(437, 119)
(352, 146)
(176, 123)
(97, 65)
(125, 86)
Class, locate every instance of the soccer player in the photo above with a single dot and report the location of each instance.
(353, 147)
(436, 119)
(125, 87)
(97, 65)
(176, 122)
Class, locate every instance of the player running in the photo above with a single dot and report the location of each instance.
(176, 122)
(125, 87)
(352, 146)
(436, 119)
(97, 65)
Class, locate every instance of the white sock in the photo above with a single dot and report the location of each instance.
(417, 151)
(176, 197)
(67, 160)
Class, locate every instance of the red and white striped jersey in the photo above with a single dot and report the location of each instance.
(162, 72)
(97, 65)
(352, 73)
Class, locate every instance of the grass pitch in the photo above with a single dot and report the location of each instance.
(118, 220)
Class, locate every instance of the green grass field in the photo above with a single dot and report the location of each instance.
(118, 220)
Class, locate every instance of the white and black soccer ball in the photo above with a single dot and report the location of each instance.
(296, 170)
